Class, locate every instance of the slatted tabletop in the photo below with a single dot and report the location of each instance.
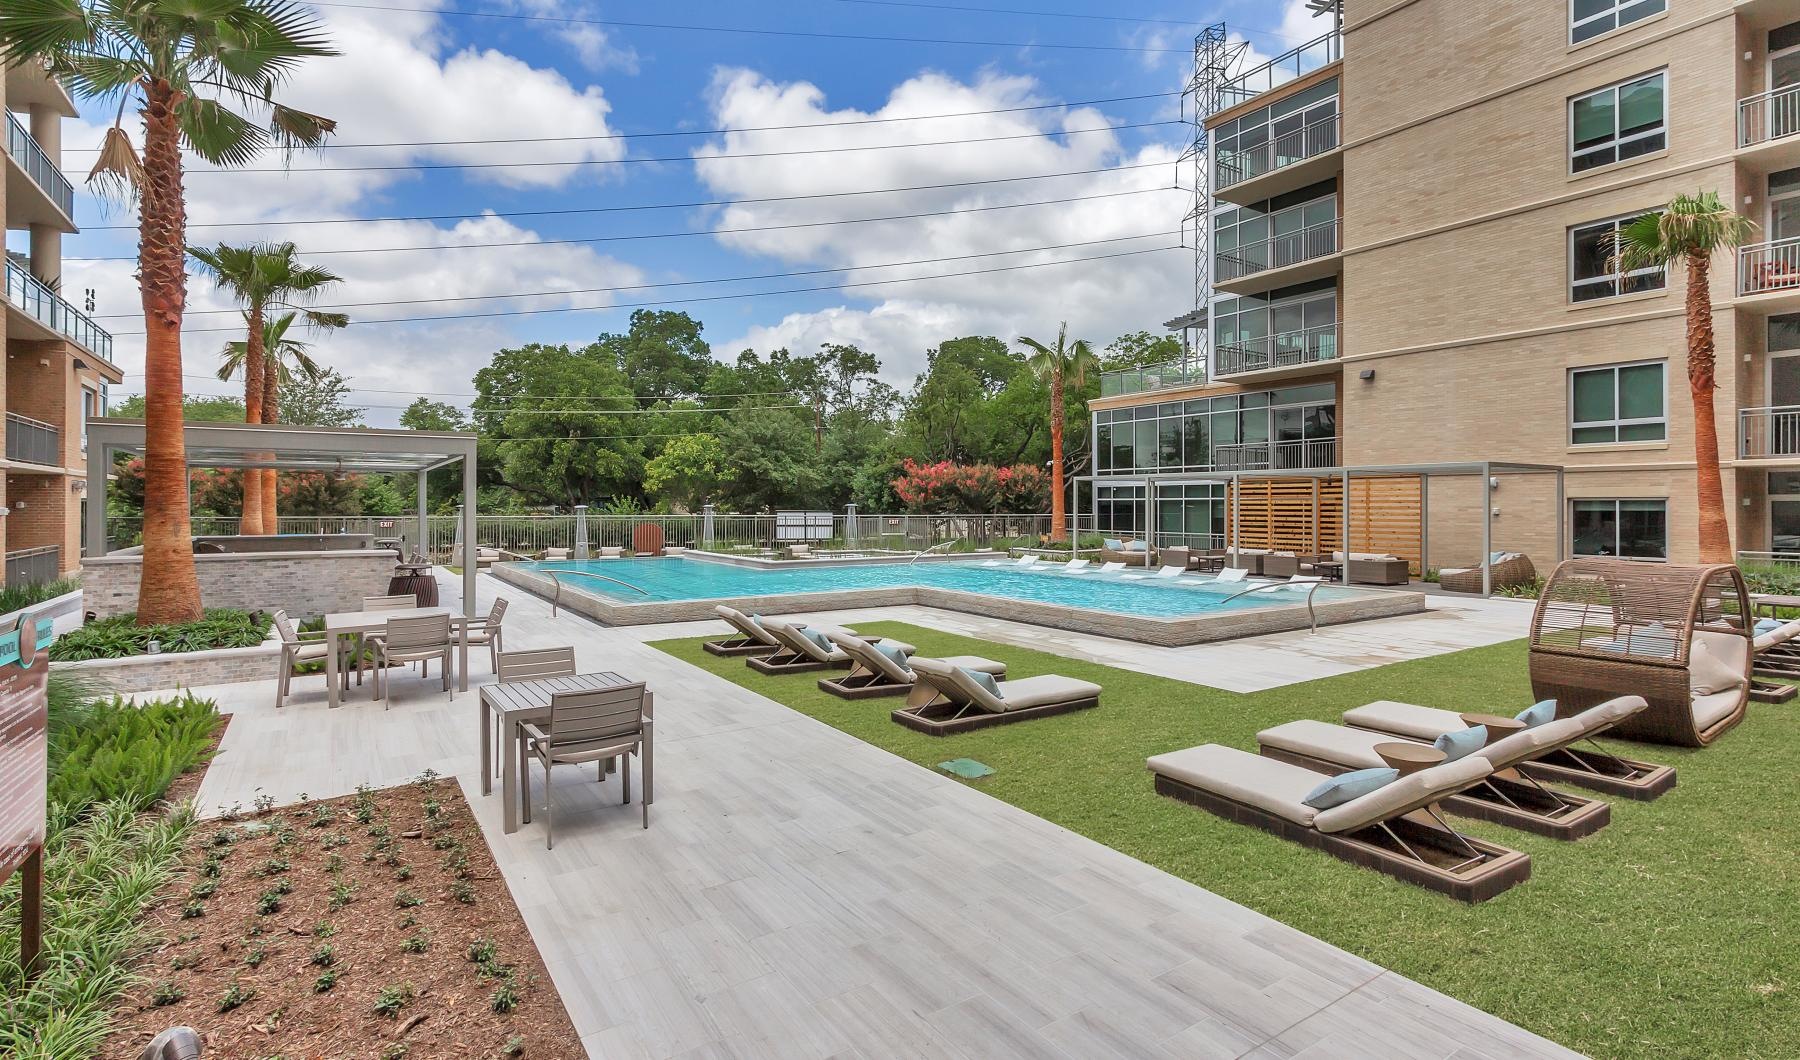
(521, 698)
(516, 702)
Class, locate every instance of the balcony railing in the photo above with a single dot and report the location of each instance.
(1289, 349)
(33, 566)
(1773, 266)
(46, 307)
(38, 167)
(32, 441)
(1284, 150)
(1769, 116)
(1312, 55)
(1276, 456)
(1770, 431)
(1153, 377)
(1278, 251)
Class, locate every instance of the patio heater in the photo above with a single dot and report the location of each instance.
(706, 527)
(850, 526)
(581, 538)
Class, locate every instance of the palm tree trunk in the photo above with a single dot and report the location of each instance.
(168, 589)
(250, 519)
(1056, 457)
(271, 409)
(1715, 530)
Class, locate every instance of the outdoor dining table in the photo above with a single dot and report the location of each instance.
(522, 701)
(353, 623)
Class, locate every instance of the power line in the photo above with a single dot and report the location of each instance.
(720, 297)
(433, 166)
(807, 34)
(725, 131)
(691, 233)
(675, 283)
(267, 222)
(1015, 11)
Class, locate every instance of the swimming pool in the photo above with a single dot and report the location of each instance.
(1183, 610)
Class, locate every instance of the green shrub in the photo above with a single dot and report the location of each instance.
(124, 753)
(18, 597)
(121, 636)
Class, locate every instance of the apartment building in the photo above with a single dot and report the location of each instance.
(58, 362)
(1410, 264)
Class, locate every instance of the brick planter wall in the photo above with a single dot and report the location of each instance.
(305, 584)
(147, 673)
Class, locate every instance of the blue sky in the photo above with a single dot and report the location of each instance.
(420, 77)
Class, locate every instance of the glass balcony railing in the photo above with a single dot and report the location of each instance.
(32, 441)
(1313, 55)
(1152, 377)
(1288, 349)
(47, 308)
(1769, 116)
(1292, 455)
(1277, 251)
(1235, 167)
(38, 167)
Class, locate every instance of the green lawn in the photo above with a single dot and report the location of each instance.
(1676, 929)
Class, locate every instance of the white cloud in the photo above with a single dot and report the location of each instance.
(1099, 299)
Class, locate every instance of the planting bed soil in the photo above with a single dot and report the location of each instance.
(374, 925)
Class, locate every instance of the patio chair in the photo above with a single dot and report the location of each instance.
(558, 554)
(952, 699)
(531, 664)
(804, 649)
(611, 551)
(1592, 768)
(418, 638)
(590, 726)
(1392, 829)
(752, 638)
(486, 557)
(1506, 570)
(402, 602)
(1509, 797)
(875, 672)
(489, 633)
(297, 648)
(1280, 565)
(1250, 559)
(1776, 656)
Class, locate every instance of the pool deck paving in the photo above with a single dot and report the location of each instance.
(800, 893)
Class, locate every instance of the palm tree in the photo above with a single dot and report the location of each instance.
(264, 277)
(1063, 365)
(185, 65)
(284, 357)
(1689, 232)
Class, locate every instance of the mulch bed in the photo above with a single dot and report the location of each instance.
(374, 925)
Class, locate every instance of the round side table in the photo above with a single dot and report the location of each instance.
(1409, 757)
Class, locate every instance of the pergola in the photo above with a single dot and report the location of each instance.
(1490, 472)
(288, 447)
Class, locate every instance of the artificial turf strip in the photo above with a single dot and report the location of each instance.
(1672, 931)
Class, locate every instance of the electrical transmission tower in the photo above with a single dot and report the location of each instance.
(1215, 58)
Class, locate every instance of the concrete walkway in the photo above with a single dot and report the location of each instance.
(803, 894)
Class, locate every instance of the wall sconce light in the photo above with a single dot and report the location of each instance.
(1367, 375)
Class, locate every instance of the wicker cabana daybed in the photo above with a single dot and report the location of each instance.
(1677, 635)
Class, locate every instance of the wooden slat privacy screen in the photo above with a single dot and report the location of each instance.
(1307, 515)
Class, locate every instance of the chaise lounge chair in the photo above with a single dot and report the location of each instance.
(1593, 769)
(1110, 566)
(949, 700)
(801, 648)
(1392, 829)
(1076, 566)
(874, 672)
(1508, 797)
(1162, 574)
(751, 639)
(1776, 655)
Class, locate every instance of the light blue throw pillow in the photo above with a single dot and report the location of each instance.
(1767, 625)
(1336, 791)
(895, 655)
(984, 679)
(1462, 742)
(1135, 546)
(756, 620)
(1540, 713)
(818, 638)
(1113, 543)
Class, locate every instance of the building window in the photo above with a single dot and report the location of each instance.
(1618, 403)
(1618, 122)
(1592, 271)
(1590, 18)
(1626, 529)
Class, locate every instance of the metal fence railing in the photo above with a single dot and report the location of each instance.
(33, 566)
(48, 308)
(1769, 115)
(32, 441)
(1279, 152)
(1769, 431)
(531, 535)
(1772, 266)
(1288, 349)
(37, 165)
(1313, 55)
(1295, 455)
(1278, 251)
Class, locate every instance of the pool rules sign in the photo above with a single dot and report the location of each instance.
(24, 772)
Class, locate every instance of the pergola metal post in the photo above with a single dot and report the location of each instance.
(1150, 525)
(419, 546)
(468, 549)
(1487, 530)
(581, 538)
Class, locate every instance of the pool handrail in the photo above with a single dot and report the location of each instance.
(1312, 587)
(927, 552)
(556, 597)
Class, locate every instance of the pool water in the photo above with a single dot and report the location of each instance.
(681, 578)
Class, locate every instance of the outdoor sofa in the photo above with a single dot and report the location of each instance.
(1509, 569)
(1130, 553)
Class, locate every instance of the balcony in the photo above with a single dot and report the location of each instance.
(40, 303)
(1153, 377)
(33, 566)
(1295, 455)
(36, 167)
(32, 441)
(1769, 433)
(1771, 273)
(1286, 251)
(1288, 350)
(1768, 133)
(1308, 57)
(1298, 158)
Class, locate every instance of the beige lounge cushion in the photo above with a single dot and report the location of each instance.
(1710, 710)
(1404, 719)
(1527, 744)
(976, 663)
(1603, 716)
(1240, 776)
(1778, 636)
(866, 654)
(1043, 691)
(1709, 671)
(1352, 748)
(1404, 795)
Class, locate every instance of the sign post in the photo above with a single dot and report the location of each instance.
(24, 774)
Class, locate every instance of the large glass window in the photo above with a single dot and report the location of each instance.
(1192, 515)
(1629, 529)
(1290, 228)
(1294, 325)
(1292, 427)
(1618, 122)
(1593, 273)
(1590, 18)
(1618, 403)
(1289, 130)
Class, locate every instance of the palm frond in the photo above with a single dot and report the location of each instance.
(1699, 224)
(326, 321)
(33, 31)
(118, 171)
(292, 128)
(218, 134)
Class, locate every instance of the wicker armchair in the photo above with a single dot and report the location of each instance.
(1680, 636)
(1514, 569)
